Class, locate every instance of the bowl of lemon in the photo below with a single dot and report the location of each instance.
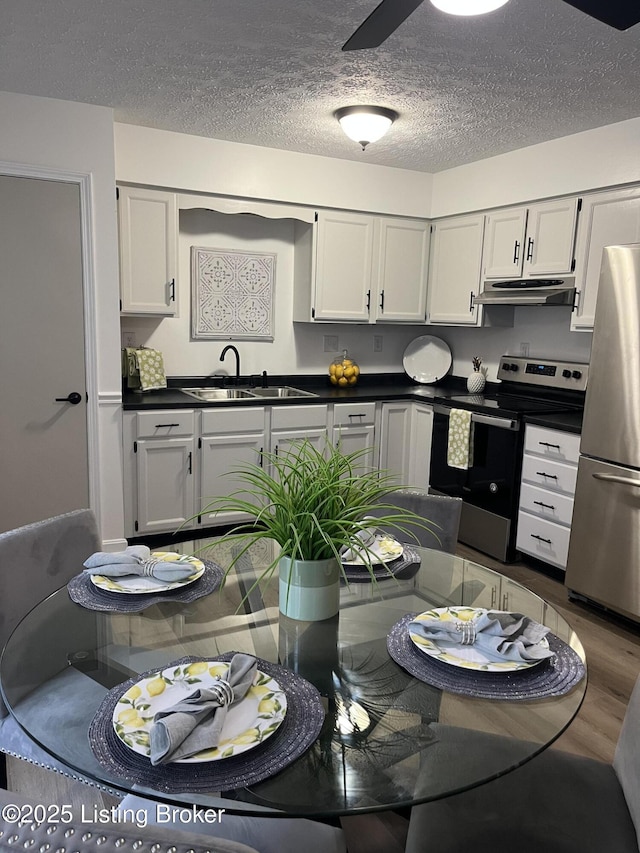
(343, 370)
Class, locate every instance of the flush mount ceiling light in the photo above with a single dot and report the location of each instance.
(365, 124)
(468, 7)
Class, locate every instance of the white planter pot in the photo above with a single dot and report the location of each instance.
(309, 589)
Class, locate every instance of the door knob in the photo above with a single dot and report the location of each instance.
(74, 398)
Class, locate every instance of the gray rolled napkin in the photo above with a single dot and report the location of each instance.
(507, 636)
(136, 560)
(367, 536)
(195, 723)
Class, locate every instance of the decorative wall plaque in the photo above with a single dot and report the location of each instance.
(232, 294)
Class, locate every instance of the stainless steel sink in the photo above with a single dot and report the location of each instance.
(281, 391)
(212, 395)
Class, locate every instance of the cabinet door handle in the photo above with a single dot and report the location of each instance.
(382, 301)
(541, 538)
(548, 444)
(166, 426)
(530, 248)
(368, 300)
(548, 476)
(358, 415)
(172, 290)
(471, 297)
(505, 601)
(494, 592)
(189, 463)
(260, 457)
(516, 252)
(546, 506)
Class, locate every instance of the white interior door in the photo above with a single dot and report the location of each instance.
(43, 441)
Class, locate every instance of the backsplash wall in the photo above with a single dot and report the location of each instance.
(299, 348)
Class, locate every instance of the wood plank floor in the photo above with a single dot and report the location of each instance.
(613, 659)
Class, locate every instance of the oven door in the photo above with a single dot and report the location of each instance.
(490, 487)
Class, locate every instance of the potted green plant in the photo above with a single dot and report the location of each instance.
(314, 503)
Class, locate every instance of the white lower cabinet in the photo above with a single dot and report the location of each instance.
(405, 442)
(293, 424)
(229, 439)
(161, 470)
(354, 430)
(549, 471)
(485, 588)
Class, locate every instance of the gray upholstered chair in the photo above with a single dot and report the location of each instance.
(267, 834)
(100, 836)
(556, 803)
(35, 560)
(442, 510)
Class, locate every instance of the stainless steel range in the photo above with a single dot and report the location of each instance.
(490, 486)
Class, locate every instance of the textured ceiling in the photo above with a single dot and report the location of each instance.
(271, 72)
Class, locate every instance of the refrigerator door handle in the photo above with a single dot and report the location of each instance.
(613, 478)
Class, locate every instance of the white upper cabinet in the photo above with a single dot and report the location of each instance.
(344, 257)
(503, 243)
(606, 219)
(455, 270)
(367, 269)
(400, 269)
(527, 242)
(148, 231)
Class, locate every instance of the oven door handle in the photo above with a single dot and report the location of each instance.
(478, 418)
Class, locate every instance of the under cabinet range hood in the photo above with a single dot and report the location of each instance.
(528, 291)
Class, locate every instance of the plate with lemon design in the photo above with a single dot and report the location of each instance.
(383, 549)
(143, 585)
(246, 725)
(465, 657)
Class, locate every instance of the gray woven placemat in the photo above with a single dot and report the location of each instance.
(87, 594)
(300, 728)
(553, 677)
(402, 568)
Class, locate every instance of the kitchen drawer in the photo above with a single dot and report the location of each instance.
(552, 443)
(165, 423)
(546, 504)
(543, 539)
(549, 474)
(353, 414)
(298, 417)
(238, 419)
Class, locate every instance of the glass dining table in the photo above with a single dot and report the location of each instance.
(398, 727)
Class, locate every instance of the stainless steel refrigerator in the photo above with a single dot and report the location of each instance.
(604, 551)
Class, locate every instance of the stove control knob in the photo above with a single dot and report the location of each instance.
(566, 374)
(493, 488)
(577, 374)
(506, 366)
(514, 367)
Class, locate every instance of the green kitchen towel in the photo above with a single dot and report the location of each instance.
(460, 440)
(130, 370)
(151, 367)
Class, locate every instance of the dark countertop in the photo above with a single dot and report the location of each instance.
(567, 421)
(390, 386)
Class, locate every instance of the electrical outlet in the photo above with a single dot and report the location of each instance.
(129, 339)
(330, 343)
(377, 343)
(524, 349)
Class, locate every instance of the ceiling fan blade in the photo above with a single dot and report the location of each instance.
(384, 20)
(620, 14)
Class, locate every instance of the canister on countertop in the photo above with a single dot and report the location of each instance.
(343, 370)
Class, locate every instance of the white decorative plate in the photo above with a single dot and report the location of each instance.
(427, 359)
(246, 725)
(139, 585)
(466, 657)
(383, 550)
